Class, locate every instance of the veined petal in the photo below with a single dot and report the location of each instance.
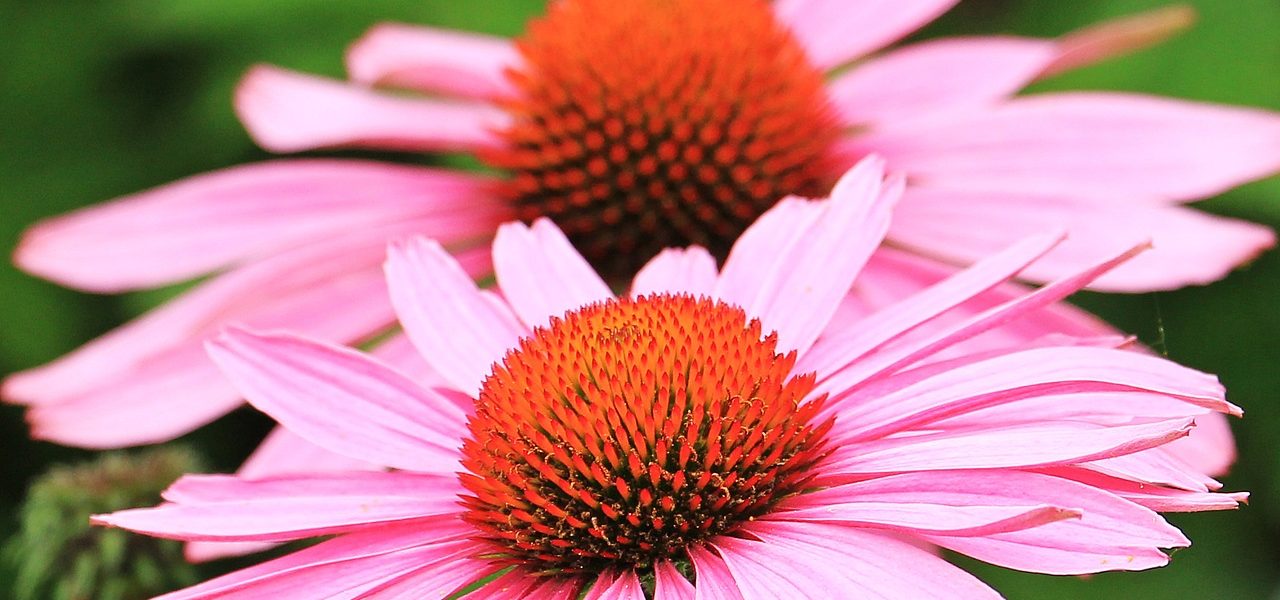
(938, 76)
(669, 584)
(460, 330)
(209, 221)
(1008, 447)
(689, 270)
(540, 273)
(715, 582)
(442, 577)
(348, 562)
(286, 111)
(915, 516)
(1098, 146)
(1188, 247)
(838, 31)
(455, 63)
(795, 264)
(794, 559)
(287, 508)
(343, 400)
(616, 585)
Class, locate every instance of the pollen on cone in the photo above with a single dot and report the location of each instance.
(625, 431)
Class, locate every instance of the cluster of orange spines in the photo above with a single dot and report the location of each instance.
(629, 429)
(642, 125)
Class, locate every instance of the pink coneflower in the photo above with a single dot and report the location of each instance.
(710, 431)
(634, 126)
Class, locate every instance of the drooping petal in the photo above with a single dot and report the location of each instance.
(1014, 446)
(889, 360)
(540, 273)
(196, 225)
(916, 516)
(689, 270)
(792, 560)
(616, 585)
(338, 566)
(715, 582)
(838, 31)
(1015, 376)
(460, 330)
(1119, 36)
(939, 76)
(1210, 449)
(287, 508)
(795, 264)
(467, 65)
(343, 400)
(669, 584)
(1099, 146)
(286, 111)
(911, 308)
(1188, 247)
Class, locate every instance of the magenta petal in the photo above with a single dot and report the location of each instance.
(792, 560)
(1004, 447)
(343, 400)
(290, 112)
(616, 585)
(838, 31)
(938, 76)
(199, 224)
(916, 516)
(669, 584)
(1210, 449)
(441, 577)
(1102, 146)
(337, 567)
(795, 264)
(1188, 246)
(460, 330)
(689, 270)
(468, 65)
(715, 582)
(541, 274)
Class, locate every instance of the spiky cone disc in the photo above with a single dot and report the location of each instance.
(662, 123)
(629, 429)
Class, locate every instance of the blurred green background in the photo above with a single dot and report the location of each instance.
(108, 97)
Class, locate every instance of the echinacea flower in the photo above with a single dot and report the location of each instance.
(634, 126)
(711, 434)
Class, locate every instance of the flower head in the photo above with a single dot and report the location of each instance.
(717, 431)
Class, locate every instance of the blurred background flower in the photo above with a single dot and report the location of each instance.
(105, 99)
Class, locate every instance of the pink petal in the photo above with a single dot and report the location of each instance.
(459, 330)
(1210, 449)
(715, 582)
(286, 111)
(150, 380)
(288, 508)
(1100, 146)
(1016, 376)
(343, 400)
(938, 76)
(912, 308)
(1100, 517)
(444, 61)
(1122, 35)
(444, 576)
(199, 224)
(689, 270)
(1188, 247)
(892, 359)
(795, 264)
(1004, 447)
(916, 516)
(792, 560)
(1159, 499)
(669, 584)
(616, 585)
(1155, 466)
(338, 566)
(518, 584)
(838, 31)
(541, 274)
